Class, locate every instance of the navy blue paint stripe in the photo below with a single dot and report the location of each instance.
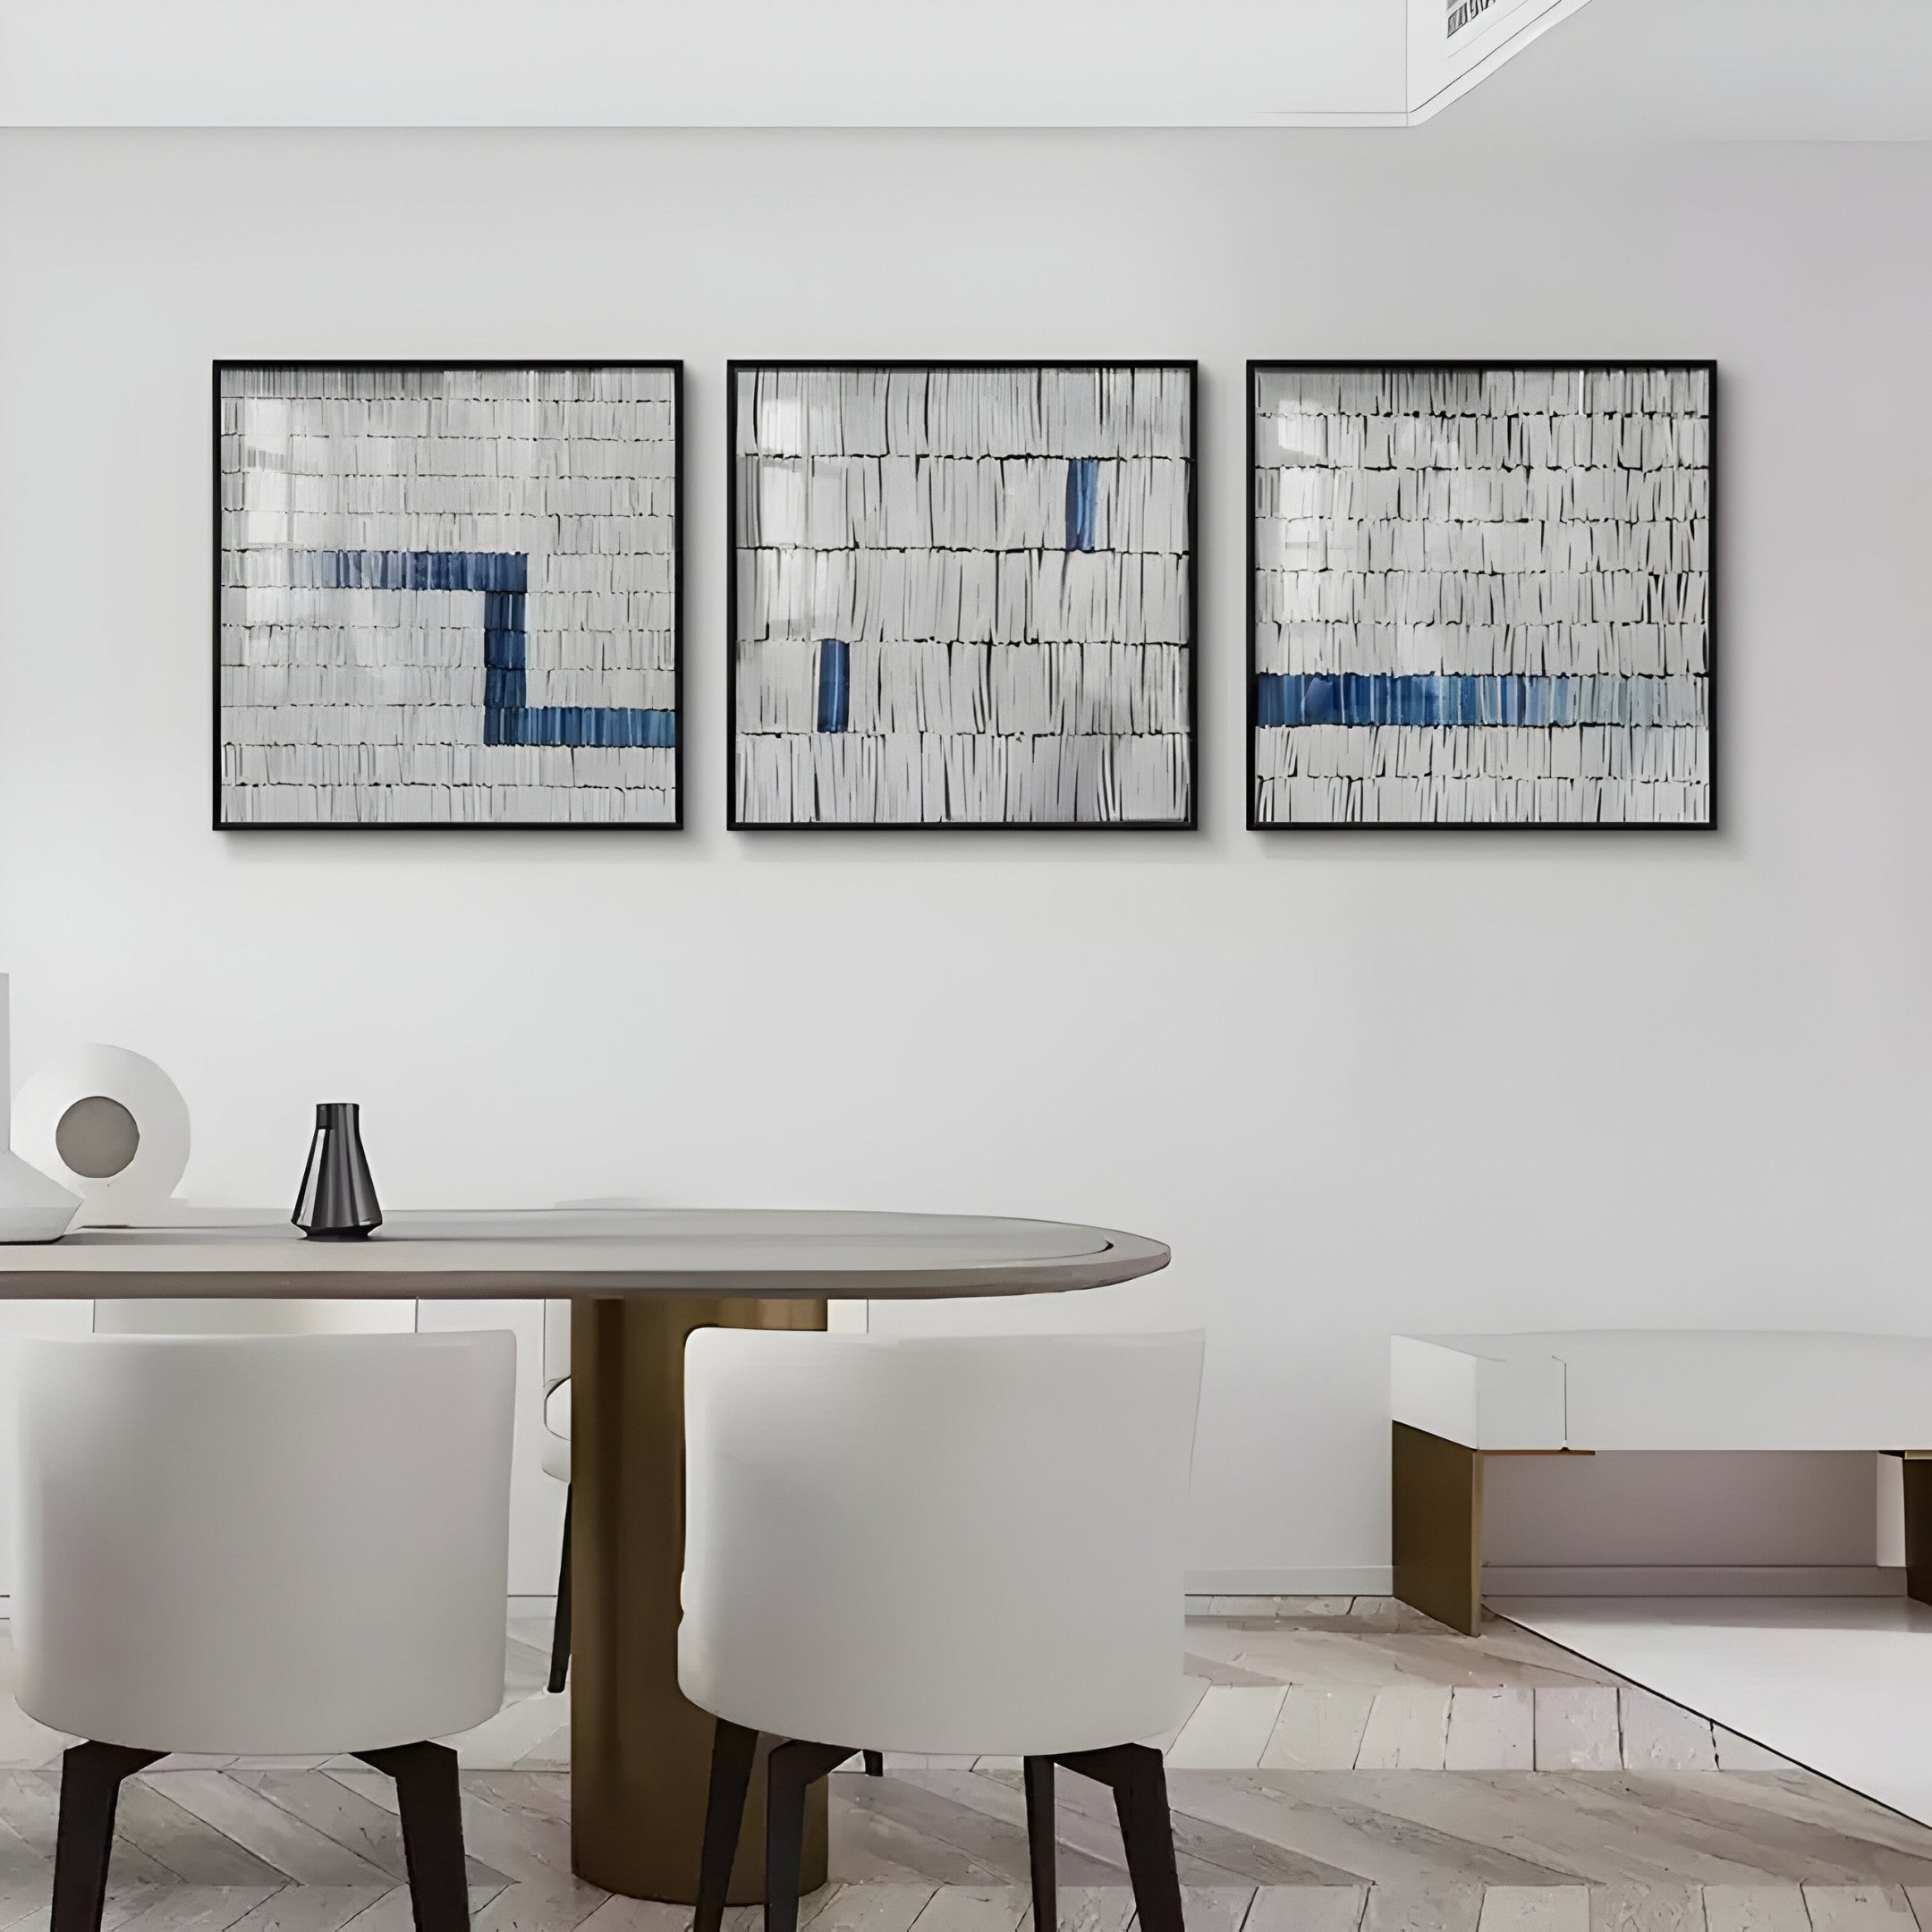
(1449, 698)
(834, 684)
(502, 576)
(1082, 500)
(412, 570)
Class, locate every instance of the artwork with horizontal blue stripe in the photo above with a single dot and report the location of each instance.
(962, 596)
(1482, 595)
(448, 596)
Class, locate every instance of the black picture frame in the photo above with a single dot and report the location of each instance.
(1705, 366)
(738, 366)
(672, 366)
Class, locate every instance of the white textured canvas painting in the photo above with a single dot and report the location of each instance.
(1481, 595)
(447, 596)
(963, 595)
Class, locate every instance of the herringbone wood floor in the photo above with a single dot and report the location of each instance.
(1344, 1766)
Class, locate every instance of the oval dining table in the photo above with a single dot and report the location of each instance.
(640, 1281)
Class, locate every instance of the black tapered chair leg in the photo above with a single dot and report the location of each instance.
(875, 1764)
(560, 1634)
(790, 1770)
(1138, 1781)
(91, 1775)
(431, 1804)
(1041, 1839)
(733, 1750)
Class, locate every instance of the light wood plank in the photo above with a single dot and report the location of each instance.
(975, 1909)
(1662, 1736)
(197, 1908)
(1423, 1907)
(953, 1828)
(352, 1818)
(123, 1903)
(517, 1729)
(1093, 1908)
(200, 1855)
(1858, 1908)
(1282, 1608)
(872, 1907)
(312, 1908)
(26, 1744)
(621, 1914)
(1187, 1701)
(1320, 1727)
(1576, 1728)
(1735, 1753)
(29, 1802)
(1407, 1729)
(1491, 1729)
(1646, 1908)
(1230, 1730)
(1215, 1907)
(255, 1822)
(1755, 1907)
(552, 1904)
(1307, 1909)
(1534, 1909)
(392, 1913)
(527, 1842)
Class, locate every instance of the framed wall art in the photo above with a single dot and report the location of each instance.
(1481, 594)
(962, 594)
(448, 595)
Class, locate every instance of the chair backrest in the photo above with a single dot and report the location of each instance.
(556, 1344)
(937, 1544)
(244, 1315)
(264, 1543)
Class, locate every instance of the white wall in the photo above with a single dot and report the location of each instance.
(1360, 1084)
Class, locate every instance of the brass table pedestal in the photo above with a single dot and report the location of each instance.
(641, 1754)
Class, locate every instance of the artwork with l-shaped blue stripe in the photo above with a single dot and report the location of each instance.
(509, 719)
(449, 595)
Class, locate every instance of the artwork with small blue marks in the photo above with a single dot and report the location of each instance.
(963, 595)
(834, 684)
(448, 596)
(1482, 595)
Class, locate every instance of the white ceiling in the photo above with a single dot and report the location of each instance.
(1684, 69)
(743, 63)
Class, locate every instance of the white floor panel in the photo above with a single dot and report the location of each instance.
(1841, 1684)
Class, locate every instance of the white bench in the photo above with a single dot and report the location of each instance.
(1456, 1399)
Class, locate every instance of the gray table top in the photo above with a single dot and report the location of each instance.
(769, 1253)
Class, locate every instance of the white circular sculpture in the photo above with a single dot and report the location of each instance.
(110, 1125)
(32, 1207)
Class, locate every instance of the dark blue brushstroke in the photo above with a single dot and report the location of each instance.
(834, 684)
(502, 576)
(1082, 499)
(1350, 697)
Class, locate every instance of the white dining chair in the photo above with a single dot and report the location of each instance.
(939, 1546)
(249, 1315)
(264, 1545)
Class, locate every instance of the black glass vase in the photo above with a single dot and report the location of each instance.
(337, 1202)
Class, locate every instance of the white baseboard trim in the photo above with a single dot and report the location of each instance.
(1692, 1580)
(1347, 1580)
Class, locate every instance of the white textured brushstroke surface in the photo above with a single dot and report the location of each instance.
(996, 673)
(1494, 524)
(352, 706)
